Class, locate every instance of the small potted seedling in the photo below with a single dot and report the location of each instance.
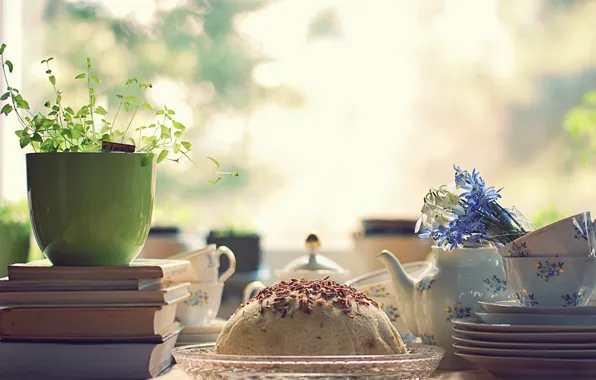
(91, 176)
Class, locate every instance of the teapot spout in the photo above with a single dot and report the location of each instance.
(404, 288)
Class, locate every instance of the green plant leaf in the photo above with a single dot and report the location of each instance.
(171, 112)
(9, 64)
(24, 141)
(147, 105)
(52, 79)
(2, 47)
(21, 103)
(58, 99)
(93, 99)
(100, 110)
(165, 132)
(69, 110)
(176, 148)
(95, 79)
(89, 63)
(126, 106)
(177, 134)
(162, 156)
(36, 137)
(214, 181)
(6, 109)
(178, 125)
(81, 76)
(47, 104)
(5, 96)
(131, 99)
(187, 145)
(160, 112)
(214, 161)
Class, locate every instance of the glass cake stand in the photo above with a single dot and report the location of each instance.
(201, 363)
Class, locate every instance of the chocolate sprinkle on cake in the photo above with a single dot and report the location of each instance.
(298, 294)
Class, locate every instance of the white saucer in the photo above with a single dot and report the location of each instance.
(474, 325)
(504, 367)
(512, 307)
(531, 337)
(524, 345)
(538, 319)
(526, 353)
(214, 328)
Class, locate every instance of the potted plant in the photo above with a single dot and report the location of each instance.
(91, 176)
(15, 232)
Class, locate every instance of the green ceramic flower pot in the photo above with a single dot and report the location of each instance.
(90, 208)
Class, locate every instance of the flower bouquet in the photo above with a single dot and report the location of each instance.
(466, 213)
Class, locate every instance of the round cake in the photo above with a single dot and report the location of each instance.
(309, 317)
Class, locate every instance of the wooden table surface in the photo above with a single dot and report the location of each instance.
(178, 374)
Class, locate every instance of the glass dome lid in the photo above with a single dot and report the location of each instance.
(313, 264)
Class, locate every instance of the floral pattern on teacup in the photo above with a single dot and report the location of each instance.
(519, 250)
(428, 338)
(377, 291)
(549, 269)
(198, 298)
(424, 285)
(581, 230)
(458, 311)
(575, 299)
(496, 285)
(525, 299)
(392, 312)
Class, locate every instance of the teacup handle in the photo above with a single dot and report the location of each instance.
(252, 287)
(232, 267)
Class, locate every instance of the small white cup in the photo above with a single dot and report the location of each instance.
(205, 264)
(202, 305)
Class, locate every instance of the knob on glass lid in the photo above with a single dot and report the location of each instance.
(313, 264)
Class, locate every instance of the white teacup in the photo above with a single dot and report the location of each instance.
(205, 263)
(551, 281)
(572, 236)
(202, 306)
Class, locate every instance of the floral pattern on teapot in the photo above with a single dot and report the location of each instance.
(458, 312)
(424, 285)
(428, 338)
(496, 285)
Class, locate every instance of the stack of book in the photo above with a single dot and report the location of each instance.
(90, 322)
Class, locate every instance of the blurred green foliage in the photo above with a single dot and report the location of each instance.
(195, 44)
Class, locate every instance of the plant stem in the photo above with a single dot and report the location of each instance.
(116, 115)
(90, 100)
(133, 116)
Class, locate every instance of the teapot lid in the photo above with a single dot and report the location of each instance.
(313, 261)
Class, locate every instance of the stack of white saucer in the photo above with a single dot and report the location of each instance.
(548, 328)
